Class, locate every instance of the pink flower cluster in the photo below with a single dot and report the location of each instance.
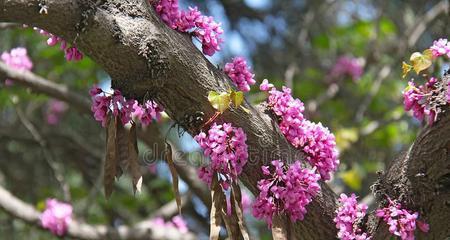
(56, 217)
(441, 47)
(226, 146)
(320, 145)
(18, 59)
(148, 112)
(118, 105)
(204, 28)
(240, 73)
(55, 110)
(418, 100)
(347, 66)
(71, 52)
(176, 222)
(315, 140)
(401, 222)
(288, 189)
(347, 216)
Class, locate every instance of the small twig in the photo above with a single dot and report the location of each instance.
(57, 169)
(9, 25)
(93, 193)
(170, 209)
(78, 230)
(330, 93)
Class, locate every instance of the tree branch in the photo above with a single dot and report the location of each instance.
(41, 85)
(142, 231)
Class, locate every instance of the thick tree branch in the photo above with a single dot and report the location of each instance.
(142, 231)
(420, 180)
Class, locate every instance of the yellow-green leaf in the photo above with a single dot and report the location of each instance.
(219, 101)
(421, 61)
(406, 69)
(237, 98)
(352, 178)
(345, 137)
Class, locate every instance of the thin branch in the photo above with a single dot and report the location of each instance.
(330, 93)
(41, 85)
(4, 25)
(142, 231)
(170, 209)
(56, 167)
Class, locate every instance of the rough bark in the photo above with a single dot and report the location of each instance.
(147, 59)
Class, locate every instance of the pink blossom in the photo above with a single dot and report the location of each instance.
(440, 47)
(246, 201)
(314, 139)
(18, 59)
(265, 85)
(418, 99)
(177, 222)
(204, 28)
(347, 66)
(401, 222)
(71, 53)
(55, 110)
(100, 104)
(119, 106)
(208, 32)
(168, 11)
(150, 111)
(287, 189)
(240, 73)
(152, 168)
(188, 19)
(347, 217)
(320, 146)
(180, 224)
(56, 217)
(205, 174)
(227, 148)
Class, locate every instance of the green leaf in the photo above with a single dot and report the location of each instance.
(421, 61)
(352, 178)
(406, 69)
(345, 137)
(237, 98)
(219, 101)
